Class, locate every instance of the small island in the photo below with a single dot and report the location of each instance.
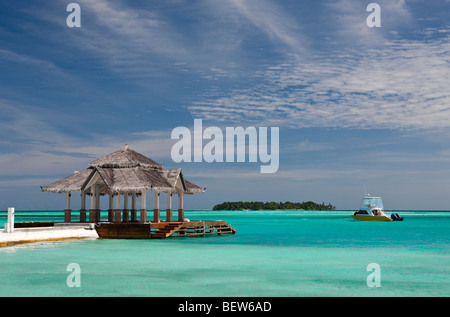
(259, 205)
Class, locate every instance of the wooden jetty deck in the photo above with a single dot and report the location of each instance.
(162, 230)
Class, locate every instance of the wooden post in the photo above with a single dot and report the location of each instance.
(97, 203)
(97, 197)
(92, 213)
(133, 201)
(143, 211)
(111, 208)
(67, 211)
(67, 201)
(169, 207)
(117, 210)
(133, 207)
(92, 199)
(156, 212)
(180, 207)
(125, 208)
(83, 206)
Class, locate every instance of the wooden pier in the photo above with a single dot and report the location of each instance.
(162, 230)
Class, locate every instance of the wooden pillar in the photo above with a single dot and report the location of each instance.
(94, 210)
(97, 197)
(92, 213)
(133, 201)
(143, 211)
(133, 207)
(117, 210)
(180, 207)
(67, 210)
(67, 201)
(156, 212)
(97, 203)
(83, 206)
(111, 208)
(169, 207)
(125, 208)
(92, 199)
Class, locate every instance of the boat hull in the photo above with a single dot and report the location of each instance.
(371, 218)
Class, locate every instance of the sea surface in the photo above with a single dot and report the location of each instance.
(273, 253)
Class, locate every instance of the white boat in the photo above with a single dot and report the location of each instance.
(372, 210)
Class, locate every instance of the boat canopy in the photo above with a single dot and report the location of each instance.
(369, 203)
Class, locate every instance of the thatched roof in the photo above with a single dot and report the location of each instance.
(70, 183)
(125, 171)
(191, 188)
(137, 179)
(125, 158)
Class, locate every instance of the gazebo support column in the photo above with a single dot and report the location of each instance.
(97, 203)
(156, 212)
(169, 208)
(83, 206)
(125, 208)
(133, 208)
(83, 215)
(111, 208)
(180, 207)
(117, 211)
(94, 211)
(67, 210)
(143, 211)
(92, 205)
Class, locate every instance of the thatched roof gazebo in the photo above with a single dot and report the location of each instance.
(124, 173)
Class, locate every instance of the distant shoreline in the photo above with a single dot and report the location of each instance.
(272, 205)
(194, 209)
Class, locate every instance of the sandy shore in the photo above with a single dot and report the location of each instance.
(57, 233)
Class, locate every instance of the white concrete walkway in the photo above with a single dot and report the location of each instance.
(59, 232)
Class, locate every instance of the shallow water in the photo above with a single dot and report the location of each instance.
(274, 253)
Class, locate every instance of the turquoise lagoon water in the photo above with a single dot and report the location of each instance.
(274, 253)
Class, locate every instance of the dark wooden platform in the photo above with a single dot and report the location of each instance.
(161, 230)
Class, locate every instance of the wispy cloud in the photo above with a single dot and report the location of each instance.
(349, 19)
(31, 144)
(128, 38)
(274, 22)
(402, 84)
(43, 160)
(30, 61)
(142, 40)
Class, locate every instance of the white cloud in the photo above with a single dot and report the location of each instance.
(308, 146)
(128, 37)
(133, 41)
(349, 18)
(274, 22)
(33, 146)
(75, 154)
(402, 84)
(37, 67)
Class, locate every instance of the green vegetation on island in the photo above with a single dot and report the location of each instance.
(259, 205)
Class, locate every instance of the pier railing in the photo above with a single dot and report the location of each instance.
(191, 228)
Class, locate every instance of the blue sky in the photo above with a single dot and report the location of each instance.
(356, 106)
